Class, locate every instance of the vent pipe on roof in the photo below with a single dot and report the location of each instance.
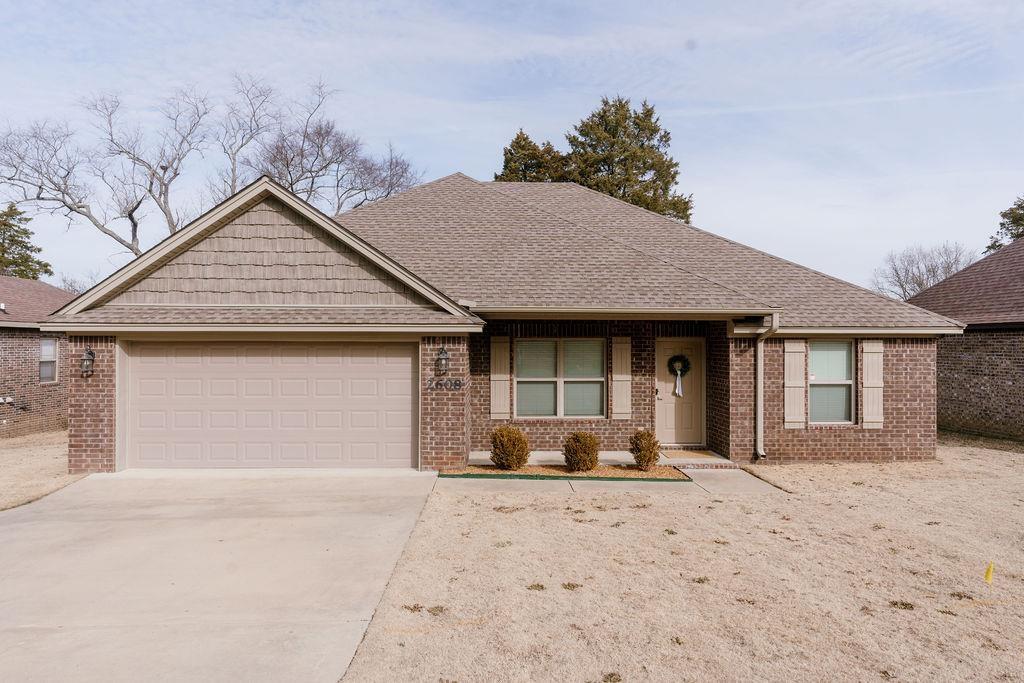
(759, 387)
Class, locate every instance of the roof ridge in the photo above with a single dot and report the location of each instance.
(765, 253)
(621, 243)
(414, 188)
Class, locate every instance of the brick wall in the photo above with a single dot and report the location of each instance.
(981, 382)
(92, 408)
(909, 401)
(444, 411)
(550, 434)
(37, 407)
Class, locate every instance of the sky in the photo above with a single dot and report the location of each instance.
(828, 133)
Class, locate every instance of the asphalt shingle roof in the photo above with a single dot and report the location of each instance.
(987, 292)
(29, 301)
(562, 245)
(475, 242)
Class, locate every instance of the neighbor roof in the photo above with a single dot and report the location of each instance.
(560, 245)
(28, 301)
(988, 292)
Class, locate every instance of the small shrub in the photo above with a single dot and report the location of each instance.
(509, 448)
(645, 449)
(580, 452)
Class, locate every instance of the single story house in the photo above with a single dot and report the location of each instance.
(33, 364)
(267, 334)
(981, 373)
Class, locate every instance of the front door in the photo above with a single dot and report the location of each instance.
(679, 407)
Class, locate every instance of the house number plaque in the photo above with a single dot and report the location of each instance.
(445, 383)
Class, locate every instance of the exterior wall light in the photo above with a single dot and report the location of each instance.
(442, 362)
(87, 361)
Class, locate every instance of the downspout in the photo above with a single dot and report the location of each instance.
(759, 387)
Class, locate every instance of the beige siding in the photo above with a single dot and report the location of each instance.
(269, 256)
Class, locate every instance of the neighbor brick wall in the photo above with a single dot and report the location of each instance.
(981, 382)
(550, 434)
(37, 407)
(444, 412)
(92, 408)
(909, 401)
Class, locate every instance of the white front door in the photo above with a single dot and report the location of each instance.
(679, 415)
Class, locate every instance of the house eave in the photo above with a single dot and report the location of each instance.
(738, 331)
(20, 326)
(113, 328)
(590, 313)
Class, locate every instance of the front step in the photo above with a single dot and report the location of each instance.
(696, 460)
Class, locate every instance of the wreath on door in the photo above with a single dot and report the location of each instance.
(678, 365)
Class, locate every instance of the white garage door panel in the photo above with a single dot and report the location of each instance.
(271, 405)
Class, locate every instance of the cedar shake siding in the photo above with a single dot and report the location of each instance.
(981, 382)
(269, 256)
(38, 406)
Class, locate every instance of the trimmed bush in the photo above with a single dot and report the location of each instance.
(509, 448)
(645, 449)
(580, 452)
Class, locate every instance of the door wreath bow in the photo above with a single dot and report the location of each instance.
(678, 365)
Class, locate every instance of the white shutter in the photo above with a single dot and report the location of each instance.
(622, 379)
(795, 383)
(501, 381)
(873, 382)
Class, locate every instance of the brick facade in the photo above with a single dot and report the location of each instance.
(454, 409)
(37, 406)
(909, 402)
(550, 434)
(444, 405)
(92, 408)
(981, 382)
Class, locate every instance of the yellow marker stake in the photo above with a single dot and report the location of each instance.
(988, 572)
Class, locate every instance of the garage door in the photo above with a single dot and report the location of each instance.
(271, 405)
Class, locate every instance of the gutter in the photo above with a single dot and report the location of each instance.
(759, 387)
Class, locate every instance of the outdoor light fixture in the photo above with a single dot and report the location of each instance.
(441, 364)
(86, 363)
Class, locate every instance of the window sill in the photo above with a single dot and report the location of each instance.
(558, 418)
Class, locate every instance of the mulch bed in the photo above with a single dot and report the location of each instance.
(657, 473)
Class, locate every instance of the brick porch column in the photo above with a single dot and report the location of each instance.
(444, 405)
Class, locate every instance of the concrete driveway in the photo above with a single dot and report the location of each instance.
(200, 576)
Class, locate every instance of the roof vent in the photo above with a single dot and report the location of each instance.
(3, 308)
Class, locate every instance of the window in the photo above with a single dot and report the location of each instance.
(560, 378)
(831, 381)
(47, 360)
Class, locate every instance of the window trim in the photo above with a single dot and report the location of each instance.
(560, 380)
(852, 382)
(55, 360)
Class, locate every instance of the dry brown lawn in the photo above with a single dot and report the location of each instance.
(33, 466)
(864, 572)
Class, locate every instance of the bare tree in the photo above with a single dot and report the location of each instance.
(43, 166)
(247, 118)
(323, 164)
(110, 181)
(908, 272)
(77, 285)
(162, 159)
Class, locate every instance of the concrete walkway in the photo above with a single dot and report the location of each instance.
(200, 576)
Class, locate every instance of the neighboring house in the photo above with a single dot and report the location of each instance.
(981, 373)
(33, 364)
(267, 334)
